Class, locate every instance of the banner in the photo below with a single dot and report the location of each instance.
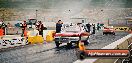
(113, 53)
(121, 28)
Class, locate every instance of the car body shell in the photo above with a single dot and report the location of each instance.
(108, 30)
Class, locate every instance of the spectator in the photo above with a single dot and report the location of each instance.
(24, 26)
(71, 24)
(93, 29)
(58, 26)
(9, 27)
(3, 25)
(98, 26)
(79, 27)
(37, 25)
(40, 28)
(1, 31)
(88, 27)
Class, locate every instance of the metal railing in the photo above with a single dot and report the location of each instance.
(117, 60)
(126, 60)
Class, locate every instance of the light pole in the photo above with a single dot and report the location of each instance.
(36, 14)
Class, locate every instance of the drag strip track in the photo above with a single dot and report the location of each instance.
(47, 53)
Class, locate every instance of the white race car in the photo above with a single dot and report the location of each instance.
(70, 35)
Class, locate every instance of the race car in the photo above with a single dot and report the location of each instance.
(108, 30)
(69, 36)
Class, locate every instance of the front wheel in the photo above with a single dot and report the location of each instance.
(113, 33)
(103, 33)
(69, 45)
(57, 44)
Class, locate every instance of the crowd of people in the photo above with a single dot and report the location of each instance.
(39, 26)
(90, 28)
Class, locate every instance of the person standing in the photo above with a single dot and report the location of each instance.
(79, 27)
(88, 27)
(93, 28)
(37, 25)
(58, 26)
(71, 24)
(40, 28)
(82, 31)
(3, 25)
(58, 30)
(98, 26)
(24, 27)
(1, 31)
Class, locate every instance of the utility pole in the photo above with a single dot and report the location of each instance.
(108, 22)
(36, 15)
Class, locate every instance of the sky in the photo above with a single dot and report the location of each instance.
(68, 8)
(57, 4)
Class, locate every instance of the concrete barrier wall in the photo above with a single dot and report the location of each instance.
(45, 33)
(119, 44)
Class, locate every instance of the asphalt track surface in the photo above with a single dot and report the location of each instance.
(47, 53)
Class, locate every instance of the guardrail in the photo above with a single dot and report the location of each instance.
(117, 60)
